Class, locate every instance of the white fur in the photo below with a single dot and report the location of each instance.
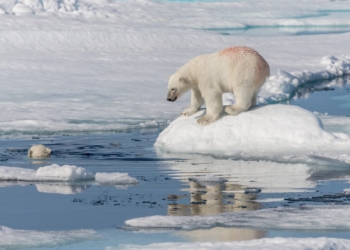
(39, 151)
(239, 70)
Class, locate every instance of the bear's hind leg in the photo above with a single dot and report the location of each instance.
(196, 102)
(244, 100)
(254, 100)
(214, 109)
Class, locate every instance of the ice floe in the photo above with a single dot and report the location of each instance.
(334, 217)
(115, 178)
(346, 191)
(16, 239)
(65, 173)
(265, 132)
(262, 244)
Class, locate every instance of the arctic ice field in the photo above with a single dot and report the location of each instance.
(88, 80)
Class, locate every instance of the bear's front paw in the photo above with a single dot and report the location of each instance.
(188, 112)
(207, 119)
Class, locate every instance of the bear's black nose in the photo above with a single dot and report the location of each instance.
(169, 99)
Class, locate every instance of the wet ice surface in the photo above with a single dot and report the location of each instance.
(165, 187)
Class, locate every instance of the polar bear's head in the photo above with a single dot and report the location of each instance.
(177, 86)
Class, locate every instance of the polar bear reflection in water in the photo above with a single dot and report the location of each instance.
(238, 70)
(211, 200)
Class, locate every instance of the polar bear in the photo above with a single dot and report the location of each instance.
(39, 151)
(239, 70)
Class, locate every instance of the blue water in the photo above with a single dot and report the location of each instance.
(163, 190)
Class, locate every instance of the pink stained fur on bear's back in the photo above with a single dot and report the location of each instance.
(241, 51)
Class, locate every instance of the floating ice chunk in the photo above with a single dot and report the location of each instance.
(149, 124)
(14, 239)
(21, 9)
(2, 12)
(39, 151)
(64, 173)
(261, 244)
(346, 191)
(263, 132)
(48, 173)
(115, 178)
(305, 217)
(207, 179)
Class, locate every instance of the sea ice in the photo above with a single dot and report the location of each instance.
(346, 191)
(281, 87)
(261, 244)
(14, 239)
(63, 173)
(334, 217)
(115, 178)
(264, 132)
(111, 44)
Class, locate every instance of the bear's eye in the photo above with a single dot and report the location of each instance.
(173, 89)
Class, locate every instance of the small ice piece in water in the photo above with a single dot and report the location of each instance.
(346, 191)
(64, 173)
(115, 178)
(208, 179)
(115, 144)
(39, 151)
(252, 190)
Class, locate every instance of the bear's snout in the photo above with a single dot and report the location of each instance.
(172, 100)
(172, 95)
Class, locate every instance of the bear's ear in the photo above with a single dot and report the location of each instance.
(168, 76)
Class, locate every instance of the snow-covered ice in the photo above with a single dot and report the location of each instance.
(115, 178)
(63, 173)
(281, 87)
(17, 239)
(334, 217)
(102, 66)
(263, 244)
(104, 85)
(265, 132)
(346, 191)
